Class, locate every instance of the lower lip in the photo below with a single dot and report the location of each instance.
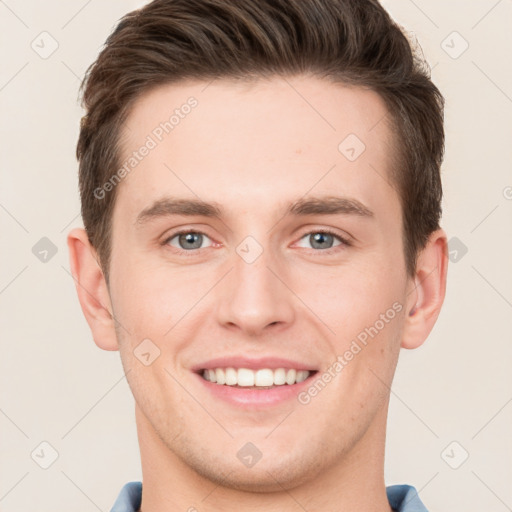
(250, 398)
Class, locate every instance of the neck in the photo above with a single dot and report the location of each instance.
(355, 482)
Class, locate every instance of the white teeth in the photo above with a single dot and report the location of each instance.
(301, 375)
(264, 377)
(279, 376)
(290, 376)
(221, 377)
(245, 377)
(231, 377)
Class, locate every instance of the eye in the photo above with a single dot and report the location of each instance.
(323, 240)
(188, 240)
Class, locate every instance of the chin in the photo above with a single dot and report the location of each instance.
(270, 474)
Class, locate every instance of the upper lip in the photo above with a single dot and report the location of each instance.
(252, 363)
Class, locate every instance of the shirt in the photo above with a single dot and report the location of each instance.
(402, 498)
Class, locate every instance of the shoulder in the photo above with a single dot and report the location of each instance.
(404, 498)
(129, 498)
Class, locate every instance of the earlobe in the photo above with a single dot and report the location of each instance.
(92, 289)
(427, 292)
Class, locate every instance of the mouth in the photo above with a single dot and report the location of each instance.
(254, 383)
(262, 378)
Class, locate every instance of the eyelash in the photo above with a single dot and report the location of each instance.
(344, 242)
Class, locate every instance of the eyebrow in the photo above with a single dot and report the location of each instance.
(326, 205)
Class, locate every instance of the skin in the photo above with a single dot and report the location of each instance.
(252, 148)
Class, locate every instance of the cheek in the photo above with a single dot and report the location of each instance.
(351, 298)
(369, 332)
(150, 300)
(364, 308)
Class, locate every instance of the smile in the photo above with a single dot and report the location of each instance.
(260, 378)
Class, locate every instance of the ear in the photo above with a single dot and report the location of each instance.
(92, 289)
(426, 291)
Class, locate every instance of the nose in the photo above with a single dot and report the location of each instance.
(254, 298)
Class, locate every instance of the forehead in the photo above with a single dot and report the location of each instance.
(266, 141)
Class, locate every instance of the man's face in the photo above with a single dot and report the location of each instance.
(259, 281)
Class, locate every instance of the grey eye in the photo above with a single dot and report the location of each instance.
(188, 241)
(321, 240)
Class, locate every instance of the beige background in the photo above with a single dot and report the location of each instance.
(57, 387)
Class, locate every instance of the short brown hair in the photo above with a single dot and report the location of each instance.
(346, 41)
